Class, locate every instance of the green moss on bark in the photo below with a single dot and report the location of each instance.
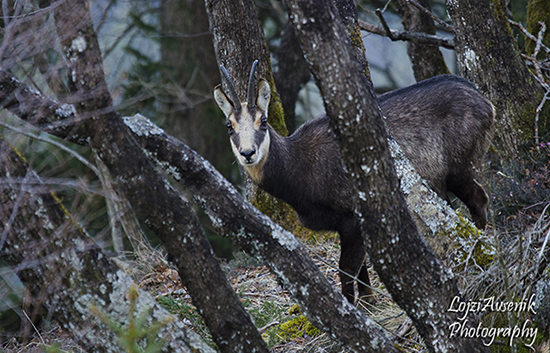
(282, 214)
(462, 245)
(276, 114)
(538, 11)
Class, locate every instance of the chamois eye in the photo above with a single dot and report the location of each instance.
(229, 126)
(263, 121)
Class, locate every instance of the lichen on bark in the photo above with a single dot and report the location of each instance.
(65, 269)
(453, 237)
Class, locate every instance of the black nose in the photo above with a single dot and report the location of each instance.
(248, 154)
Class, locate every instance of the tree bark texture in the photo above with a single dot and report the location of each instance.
(238, 41)
(414, 276)
(348, 14)
(427, 60)
(292, 75)
(489, 57)
(256, 234)
(166, 212)
(65, 270)
(232, 215)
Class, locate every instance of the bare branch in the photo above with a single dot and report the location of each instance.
(422, 38)
(539, 38)
(528, 35)
(434, 17)
(384, 24)
(538, 72)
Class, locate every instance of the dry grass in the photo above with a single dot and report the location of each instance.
(518, 265)
(260, 293)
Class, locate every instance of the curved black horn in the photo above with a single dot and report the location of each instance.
(251, 86)
(232, 92)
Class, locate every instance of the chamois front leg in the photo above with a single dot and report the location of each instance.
(352, 265)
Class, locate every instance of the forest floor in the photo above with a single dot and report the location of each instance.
(274, 311)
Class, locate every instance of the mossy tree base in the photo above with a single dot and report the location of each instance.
(281, 213)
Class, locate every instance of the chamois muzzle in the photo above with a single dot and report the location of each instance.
(248, 155)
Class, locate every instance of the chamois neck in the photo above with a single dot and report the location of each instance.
(271, 169)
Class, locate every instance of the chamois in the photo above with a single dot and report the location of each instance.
(443, 125)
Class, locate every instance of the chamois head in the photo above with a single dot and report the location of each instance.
(246, 122)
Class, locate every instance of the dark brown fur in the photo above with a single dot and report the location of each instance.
(444, 127)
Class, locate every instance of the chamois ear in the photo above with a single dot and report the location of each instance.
(264, 94)
(223, 102)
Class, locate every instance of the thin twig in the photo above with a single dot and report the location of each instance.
(55, 143)
(176, 34)
(104, 15)
(384, 24)
(34, 327)
(528, 35)
(539, 38)
(434, 17)
(538, 110)
(6, 13)
(538, 72)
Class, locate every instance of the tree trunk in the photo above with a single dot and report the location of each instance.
(166, 212)
(348, 14)
(488, 56)
(292, 75)
(230, 214)
(414, 276)
(256, 234)
(189, 71)
(427, 60)
(64, 269)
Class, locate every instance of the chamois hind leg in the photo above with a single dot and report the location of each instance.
(352, 265)
(467, 189)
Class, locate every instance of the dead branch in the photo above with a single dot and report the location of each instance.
(529, 35)
(422, 38)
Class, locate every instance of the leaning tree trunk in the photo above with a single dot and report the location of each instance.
(427, 60)
(488, 56)
(63, 269)
(414, 276)
(166, 212)
(231, 215)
